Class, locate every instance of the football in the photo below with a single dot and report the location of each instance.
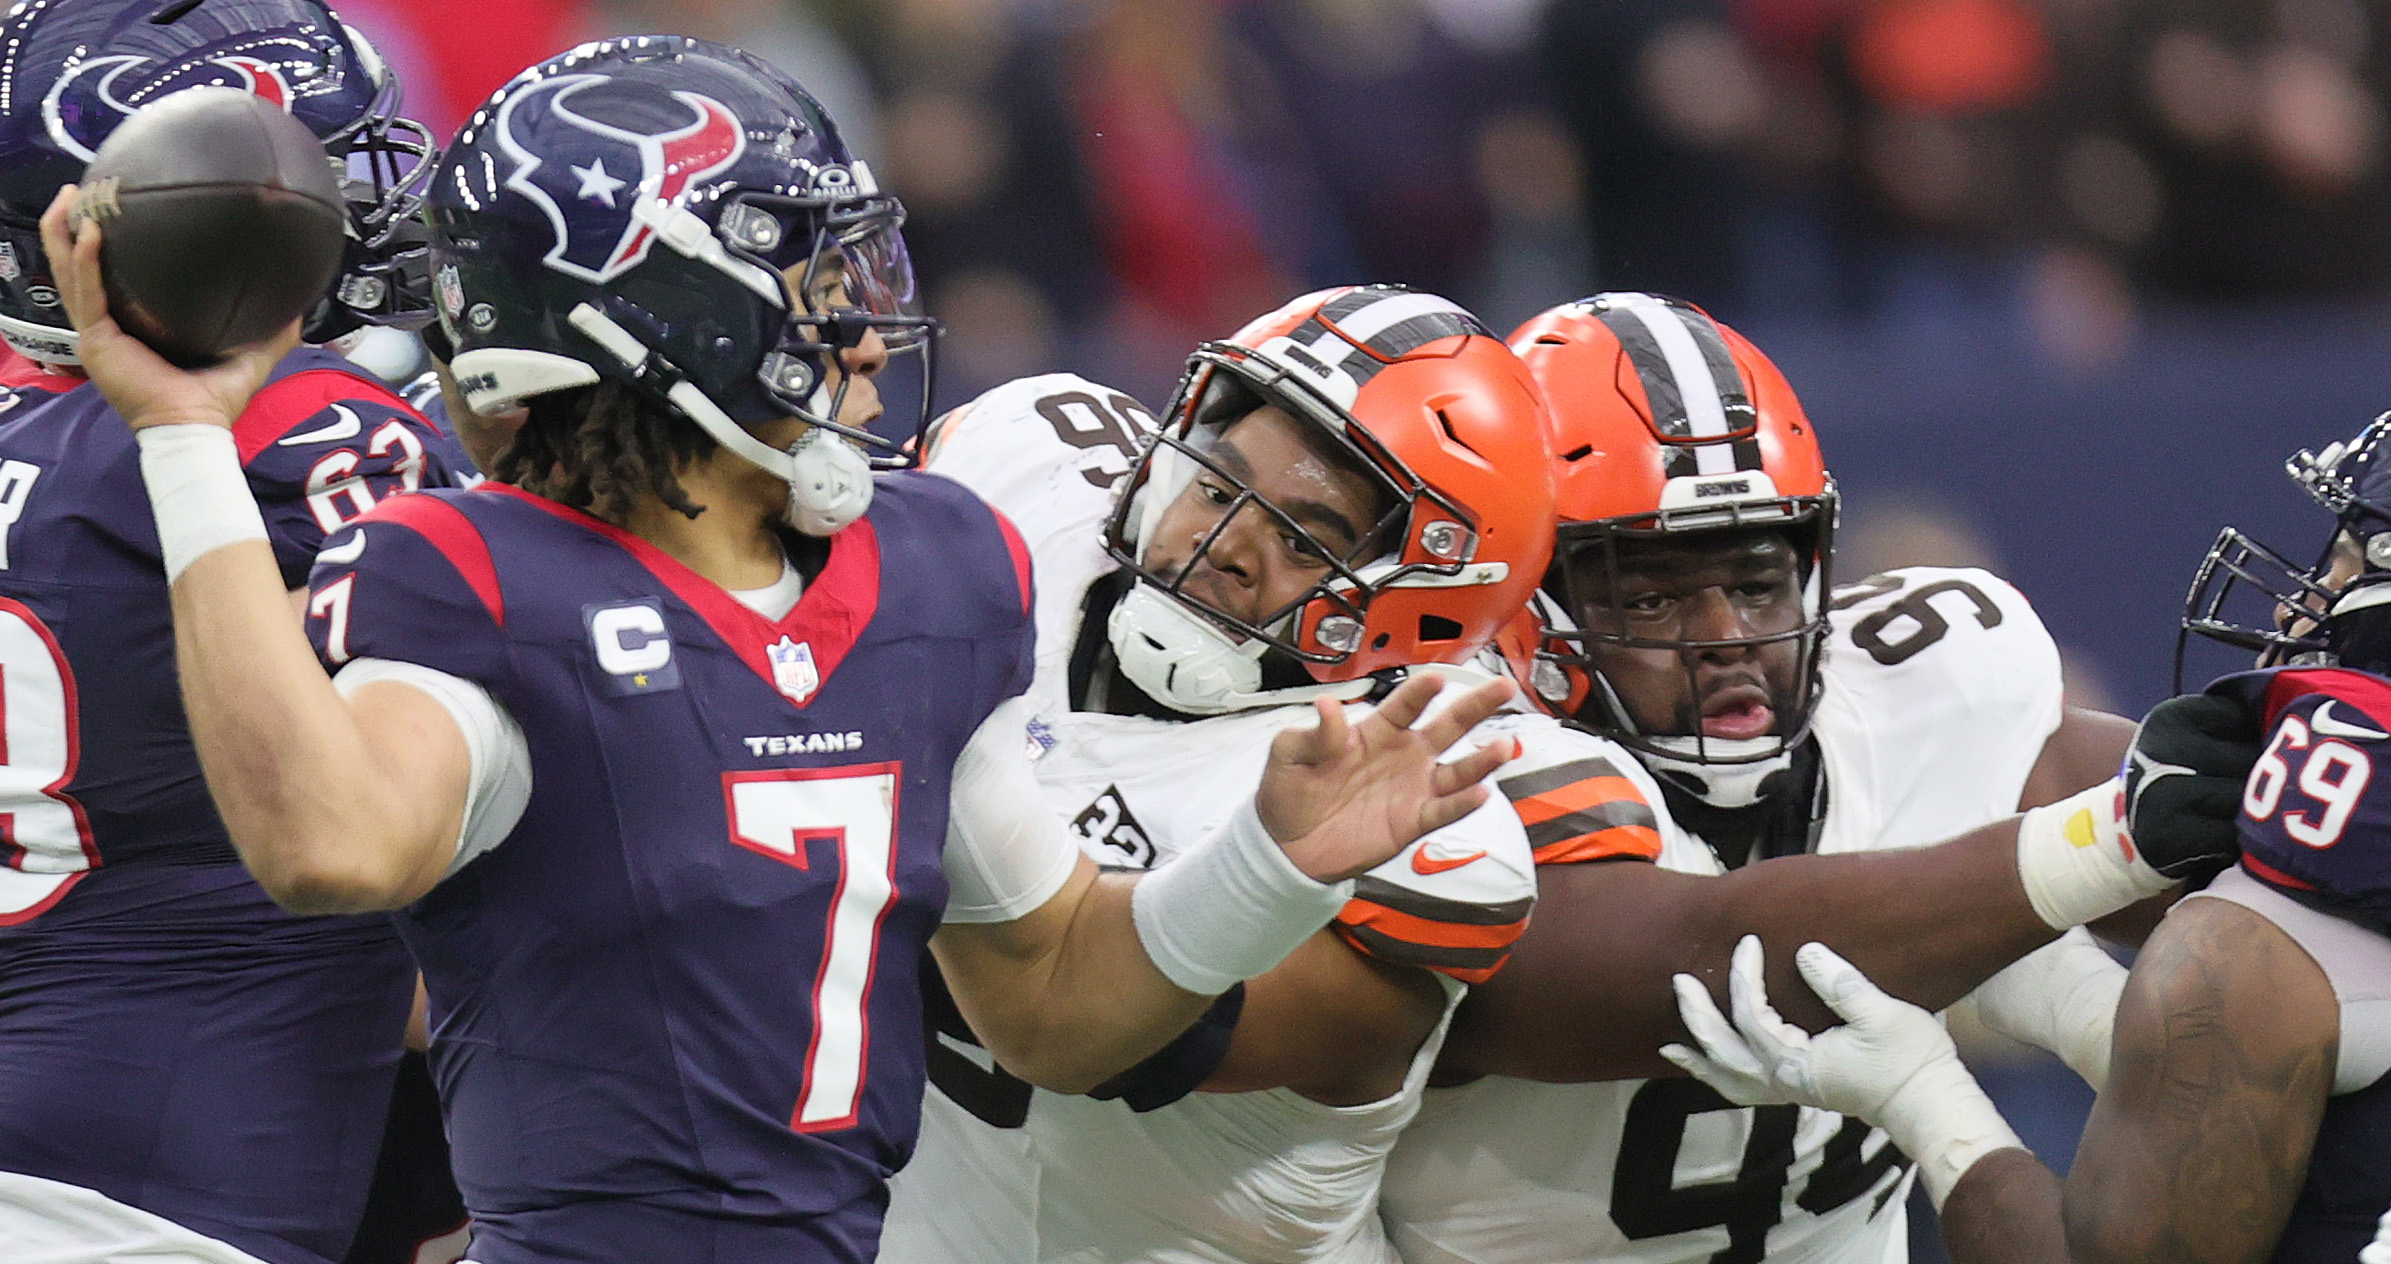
(221, 222)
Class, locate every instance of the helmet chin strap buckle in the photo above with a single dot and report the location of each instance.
(830, 483)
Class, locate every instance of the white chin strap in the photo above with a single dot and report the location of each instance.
(830, 481)
(1720, 785)
(1185, 663)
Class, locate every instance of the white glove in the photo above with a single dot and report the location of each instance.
(1891, 1064)
(2379, 1250)
(2061, 997)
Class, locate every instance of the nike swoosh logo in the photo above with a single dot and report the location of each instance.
(1427, 866)
(2324, 724)
(344, 554)
(344, 425)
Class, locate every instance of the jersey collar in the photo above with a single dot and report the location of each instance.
(824, 625)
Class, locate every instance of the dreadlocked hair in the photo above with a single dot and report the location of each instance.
(601, 448)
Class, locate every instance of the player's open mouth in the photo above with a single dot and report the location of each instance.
(1737, 713)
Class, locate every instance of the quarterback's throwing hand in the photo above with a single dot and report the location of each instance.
(143, 388)
(1344, 798)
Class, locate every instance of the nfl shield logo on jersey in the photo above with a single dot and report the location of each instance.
(793, 670)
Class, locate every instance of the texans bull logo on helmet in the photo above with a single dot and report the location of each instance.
(565, 157)
(87, 102)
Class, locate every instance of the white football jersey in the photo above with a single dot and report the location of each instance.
(1940, 688)
(1005, 1174)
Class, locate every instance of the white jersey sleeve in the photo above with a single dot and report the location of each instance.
(1048, 452)
(1584, 799)
(1457, 898)
(1941, 686)
(1006, 851)
(498, 759)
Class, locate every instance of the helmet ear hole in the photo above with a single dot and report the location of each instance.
(1435, 627)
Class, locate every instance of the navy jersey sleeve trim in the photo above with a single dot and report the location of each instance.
(301, 396)
(1020, 554)
(446, 528)
(2369, 693)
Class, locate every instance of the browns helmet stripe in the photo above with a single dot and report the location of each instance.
(1386, 323)
(1690, 382)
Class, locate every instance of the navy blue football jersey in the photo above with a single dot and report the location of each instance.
(422, 394)
(2316, 825)
(675, 1012)
(169, 1037)
(2316, 819)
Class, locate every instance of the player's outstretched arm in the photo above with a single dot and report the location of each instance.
(333, 809)
(1586, 995)
(1110, 967)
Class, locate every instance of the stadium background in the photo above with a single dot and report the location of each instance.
(2061, 281)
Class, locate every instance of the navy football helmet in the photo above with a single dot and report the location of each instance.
(628, 210)
(71, 70)
(2337, 610)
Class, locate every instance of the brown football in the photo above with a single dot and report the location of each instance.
(221, 222)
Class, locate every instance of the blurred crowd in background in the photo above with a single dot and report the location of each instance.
(2051, 274)
(2061, 281)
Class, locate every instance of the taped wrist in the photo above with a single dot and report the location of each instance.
(1941, 1118)
(197, 492)
(2077, 861)
(1230, 908)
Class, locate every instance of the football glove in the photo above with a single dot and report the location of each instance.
(2183, 782)
(1891, 1063)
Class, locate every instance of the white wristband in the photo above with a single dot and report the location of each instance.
(2078, 863)
(1942, 1119)
(1229, 908)
(197, 492)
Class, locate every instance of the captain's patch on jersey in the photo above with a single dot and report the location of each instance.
(633, 651)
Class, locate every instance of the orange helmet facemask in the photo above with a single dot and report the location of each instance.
(1670, 427)
(1435, 414)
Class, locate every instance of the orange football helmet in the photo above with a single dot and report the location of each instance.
(1443, 421)
(1666, 423)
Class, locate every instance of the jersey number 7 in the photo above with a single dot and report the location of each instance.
(852, 813)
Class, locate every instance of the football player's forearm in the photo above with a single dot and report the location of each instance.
(302, 791)
(1586, 995)
(2006, 1210)
(1331, 1024)
(1066, 997)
